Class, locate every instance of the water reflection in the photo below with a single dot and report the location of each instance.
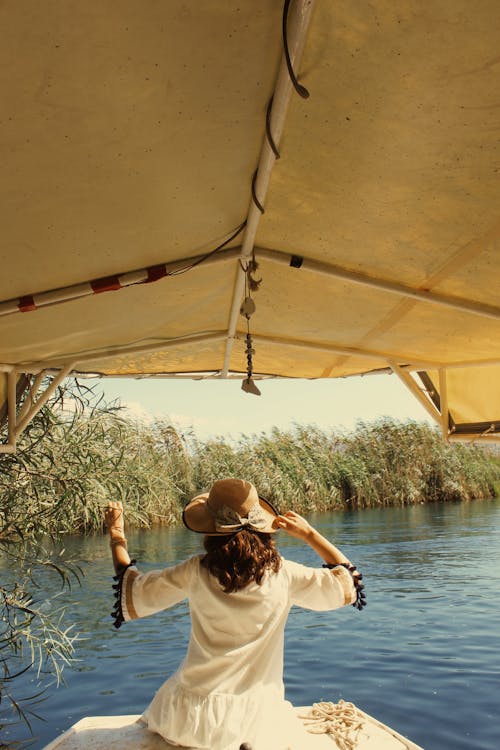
(426, 644)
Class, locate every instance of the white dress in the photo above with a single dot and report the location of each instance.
(229, 688)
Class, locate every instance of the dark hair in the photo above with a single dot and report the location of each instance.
(238, 559)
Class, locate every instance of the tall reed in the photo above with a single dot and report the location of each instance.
(378, 464)
(76, 464)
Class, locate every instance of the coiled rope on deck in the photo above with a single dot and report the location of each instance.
(342, 720)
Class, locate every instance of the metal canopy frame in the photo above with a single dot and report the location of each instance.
(122, 280)
(436, 404)
(402, 364)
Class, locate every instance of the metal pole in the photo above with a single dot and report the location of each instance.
(393, 287)
(10, 445)
(86, 289)
(460, 365)
(209, 375)
(472, 437)
(337, 349)
(76, 291)
(298, 26)
(30, 396)
(92, 355)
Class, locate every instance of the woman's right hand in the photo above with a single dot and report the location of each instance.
(294, 525)
(113, 517)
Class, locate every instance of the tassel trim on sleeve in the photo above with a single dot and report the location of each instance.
(117, 613)
(360, 601)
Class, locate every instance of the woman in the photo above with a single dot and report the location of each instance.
(229, 689)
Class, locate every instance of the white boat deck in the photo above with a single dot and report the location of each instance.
(127, 733)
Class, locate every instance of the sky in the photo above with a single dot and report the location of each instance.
(220, 408)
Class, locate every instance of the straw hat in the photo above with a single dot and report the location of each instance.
(230, 506)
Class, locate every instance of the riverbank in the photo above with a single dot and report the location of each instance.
(66, 470)
(384, 464)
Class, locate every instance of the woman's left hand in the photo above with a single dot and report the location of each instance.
(294, 525)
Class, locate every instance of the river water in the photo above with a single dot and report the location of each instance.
(423, 656)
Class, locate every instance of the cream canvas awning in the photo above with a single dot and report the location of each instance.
(138, 137)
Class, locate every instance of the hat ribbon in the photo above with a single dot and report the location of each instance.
(227, 520)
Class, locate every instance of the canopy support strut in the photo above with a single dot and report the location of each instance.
(42, 400)
(407, 379)
(17, 423)
(443, 397)
(10, 445)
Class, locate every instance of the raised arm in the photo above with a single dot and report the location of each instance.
(298, 527)
(114, 519)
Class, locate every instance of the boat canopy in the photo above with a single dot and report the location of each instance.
(332, 167)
